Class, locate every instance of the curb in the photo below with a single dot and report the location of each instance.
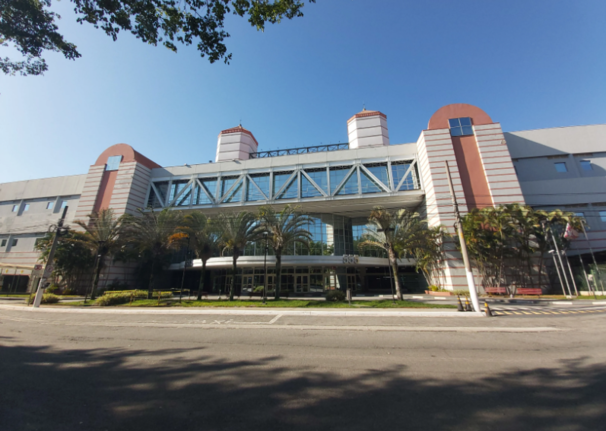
(264, 312)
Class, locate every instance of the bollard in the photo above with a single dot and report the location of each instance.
(487, 310)
(467, 305)
(459, 305)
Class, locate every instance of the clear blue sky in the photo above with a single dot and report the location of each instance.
(529, 64)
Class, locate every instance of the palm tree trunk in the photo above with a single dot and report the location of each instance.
(96, 278)
(233, 278)
(151, 280)
(202, 275)
(394, 266)
(278, 284)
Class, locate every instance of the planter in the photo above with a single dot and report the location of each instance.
(432, 293)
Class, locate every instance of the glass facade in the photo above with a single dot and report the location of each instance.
(300, 183)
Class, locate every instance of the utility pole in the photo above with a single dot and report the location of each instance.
(48, 268)
(470, 281)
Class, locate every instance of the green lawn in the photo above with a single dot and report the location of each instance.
(283, 303)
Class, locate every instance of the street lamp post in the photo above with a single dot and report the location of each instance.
(265, 269)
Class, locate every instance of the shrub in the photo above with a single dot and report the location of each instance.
(335, 295)
(258, 289)
(113, 299)
(47, 298)
(53, 288)
(68, 291)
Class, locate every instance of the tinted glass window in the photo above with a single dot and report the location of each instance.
(460, 126)
(113, 163)
(561, 167)
(586, 165)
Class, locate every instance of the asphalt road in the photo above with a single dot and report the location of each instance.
(78, 371)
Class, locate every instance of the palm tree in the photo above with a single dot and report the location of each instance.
(396, 233)
(236, 230)
(428, 253)
(103, 236)
(284, 228)
(150, 234)
(201, 234)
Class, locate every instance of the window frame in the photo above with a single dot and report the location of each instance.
(14, 242)
(456, 125)
(25, 207)
(602, 216)
(3, 242)
(113, 163)
(586, 165)
(556, 164)
(15, 208)
(50, 205)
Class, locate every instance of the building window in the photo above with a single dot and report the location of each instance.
(586, 165)
(63, 204)
(50, 205)
(460, 126)
(581, 215)
(113, 163)
(561, 167)
(15, 241)
(26, 207)
(603, 216)
(15, 208)
(3, 243)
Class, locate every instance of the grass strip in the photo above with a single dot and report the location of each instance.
(282, 303)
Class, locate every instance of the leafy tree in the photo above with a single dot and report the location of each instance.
(284, 228)
(506, 243)
(30, 25)
(73, 260)
(102, 236)
(236, 230)
(198, 230)
(428, 253)
(149, 235)
(396, 232)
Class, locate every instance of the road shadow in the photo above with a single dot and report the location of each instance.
(114, 389)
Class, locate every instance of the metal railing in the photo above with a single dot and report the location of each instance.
(301, 150)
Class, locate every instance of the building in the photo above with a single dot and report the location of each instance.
(337, 184)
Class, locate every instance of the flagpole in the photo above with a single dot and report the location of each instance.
(593, 256)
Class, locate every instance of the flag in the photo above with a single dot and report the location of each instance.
(570, 233)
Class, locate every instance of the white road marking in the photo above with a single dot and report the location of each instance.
(297, 327)
(275, 319)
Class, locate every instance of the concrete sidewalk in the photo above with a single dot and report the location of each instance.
(250, 312)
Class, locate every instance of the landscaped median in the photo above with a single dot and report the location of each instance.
(137, 299)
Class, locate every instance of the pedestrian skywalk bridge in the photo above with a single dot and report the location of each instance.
(534, 311)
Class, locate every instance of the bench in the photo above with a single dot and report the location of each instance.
(496, 290)
(529, 291)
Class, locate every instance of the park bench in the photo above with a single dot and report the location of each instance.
(496, 290)
(529, 291)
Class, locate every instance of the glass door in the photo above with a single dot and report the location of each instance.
(351, 282)
(302, 283)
